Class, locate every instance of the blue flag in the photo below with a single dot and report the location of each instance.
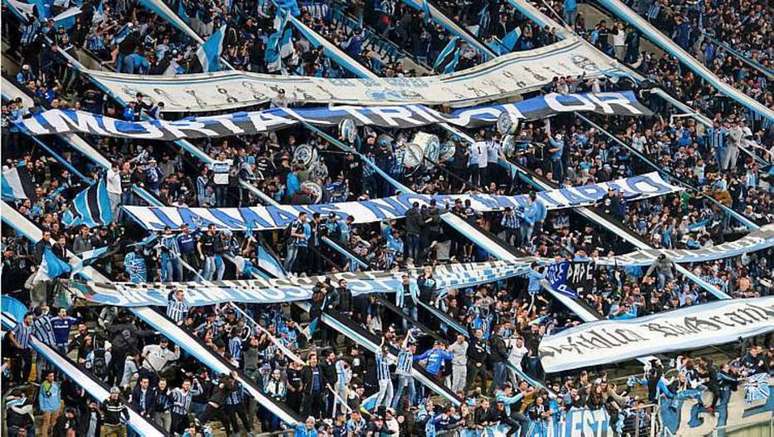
(91, 207)
(449, 56)
(51, 267)
(510, 39)
(556, 274)
(14, 308)
(209, 52)
(181, 12)
(289, 5)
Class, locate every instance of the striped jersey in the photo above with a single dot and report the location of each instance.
(22, 334)
(177, 310)
(405, 360)
(382, 367)
(181, 401)
(42, 329)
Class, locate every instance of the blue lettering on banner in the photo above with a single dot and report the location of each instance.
(574, 197)
(194, 220)
(547, 199)
(379, 209)
(634, 181)
(280, 217)
(165, 221)
(226, 219)
(250, 217)
(593, 192)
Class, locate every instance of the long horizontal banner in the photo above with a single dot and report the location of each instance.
(289, 289)
(262, 218)
(759, 239)
(58, 121)
(503, 77)
(609, 341)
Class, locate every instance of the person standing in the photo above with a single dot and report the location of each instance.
(476, 358)
(49, 402)
(383, 377)
(314, 383)
(20, 350)
(459, 351)
(186, 243)
(181, 406)
(177, 308)
(403, 369)
(734, 143)
(206, 250)
(115, 415)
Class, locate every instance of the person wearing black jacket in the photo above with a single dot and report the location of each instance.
(476, 358)
(499, 356)
(91, 421)
(215, 405)
(345, 298)
(142, 400)
(427, 286)
(314, 383)
(115, 414)
(162, 414)
(294, 385)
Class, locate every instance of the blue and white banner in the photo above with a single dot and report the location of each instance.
(756, 388)
(502, 77)
(59, 121)
(263, 218)
(127, 294)
(760, 239)
(694, 327)
(565, 277)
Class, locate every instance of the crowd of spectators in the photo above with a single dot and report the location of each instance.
(502, 323)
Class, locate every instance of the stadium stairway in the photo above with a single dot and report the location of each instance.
(386, 51)
(95, 388)
(160, 323)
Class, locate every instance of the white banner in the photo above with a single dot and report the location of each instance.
(760, 239)
(610, 341)
(263, 218)
(499, 78)
(289, 289)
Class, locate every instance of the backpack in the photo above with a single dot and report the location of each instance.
(99, 364)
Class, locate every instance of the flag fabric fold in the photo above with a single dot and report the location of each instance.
(208, 53)
(91, 207)
(17, 184)
(447, 60)
(51, 267)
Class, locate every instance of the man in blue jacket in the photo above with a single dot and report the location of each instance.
(436, 357)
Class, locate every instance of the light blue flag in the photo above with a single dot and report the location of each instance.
(23, 11)
(447, 54)
(426, 10)
(91, 207)
(289, 5)
(209, 52)
(52, 267)
(272, 53)
(511, 38)
(181, 12)
(43, 7)
(286, 43)
(67, 18)
(267, 262)
(99, 13)
(14, 308)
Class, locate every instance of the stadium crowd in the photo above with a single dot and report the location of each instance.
(342, 388)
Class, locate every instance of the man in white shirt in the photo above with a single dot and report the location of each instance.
(114, 187)
(493, 148)
(459, 351)
(478, 160)
(518, 350)
(157, 356)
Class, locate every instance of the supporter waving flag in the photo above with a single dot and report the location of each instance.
(91, 207)
(208, 53)
(51, 267)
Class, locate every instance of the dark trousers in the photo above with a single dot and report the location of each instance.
(22, 365)
(312, 404)
(179, 424)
